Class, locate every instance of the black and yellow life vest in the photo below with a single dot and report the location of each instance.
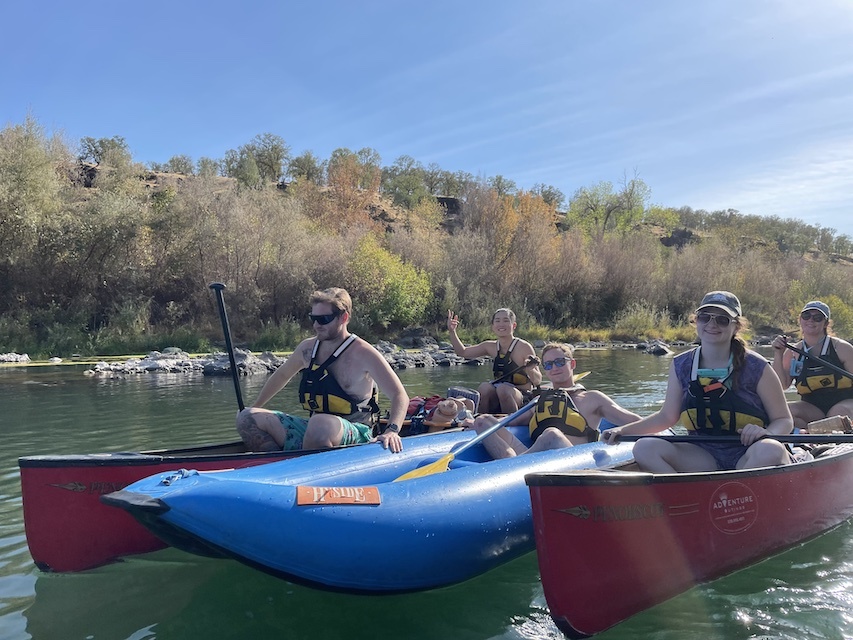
(814, 376)
(503, 364)
(555, 408)
(320, 392)
(711, 406)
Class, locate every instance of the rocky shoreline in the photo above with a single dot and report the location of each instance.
(424, 352)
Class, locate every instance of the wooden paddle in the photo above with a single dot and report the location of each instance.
(226, 329)
(791, 438)
(820, 360)
(442, 464)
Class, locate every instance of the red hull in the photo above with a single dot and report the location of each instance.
(67, 527)
(613, 544)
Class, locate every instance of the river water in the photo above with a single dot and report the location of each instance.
(804, 593)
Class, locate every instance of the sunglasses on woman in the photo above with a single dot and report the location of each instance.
(817, 316)
(322, 318)
(556, 362)
(720, 321)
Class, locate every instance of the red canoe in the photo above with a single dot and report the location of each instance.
(612, 544)
(67, 526)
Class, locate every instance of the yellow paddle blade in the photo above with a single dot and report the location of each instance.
(439, 466)
(581, 375)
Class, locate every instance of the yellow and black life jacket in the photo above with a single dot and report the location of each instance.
(813, 376)
(555, 408)
(503, 364)
(711, 406)
(320, 392)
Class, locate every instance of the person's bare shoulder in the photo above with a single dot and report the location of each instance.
(304, 349)
(365, 352)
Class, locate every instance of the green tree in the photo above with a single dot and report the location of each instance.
(599, 209)
(241, 165)
(503, 186)
(109, 151)
(306, 166)
(31, 186)
(180, 164)
(207, 167)
(270, 154)
(259, 162)
(404, 182)
(387, 290)
(551, 195)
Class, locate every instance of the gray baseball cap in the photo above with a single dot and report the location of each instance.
(820, 306)
(725, 300)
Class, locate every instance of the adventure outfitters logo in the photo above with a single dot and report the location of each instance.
(733, 508)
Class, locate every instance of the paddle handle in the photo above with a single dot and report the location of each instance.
(229, 346)
(791, 438)
(821, 360)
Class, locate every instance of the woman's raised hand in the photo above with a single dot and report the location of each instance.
(452, 321)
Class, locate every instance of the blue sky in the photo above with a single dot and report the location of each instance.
(744, 104)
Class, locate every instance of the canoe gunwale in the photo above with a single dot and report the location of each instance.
(611, 477)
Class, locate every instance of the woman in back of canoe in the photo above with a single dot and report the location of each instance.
(566, 415)
(718, 388)
(823, 392)
(514, 365)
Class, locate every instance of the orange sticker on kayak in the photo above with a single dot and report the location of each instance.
(336, 495)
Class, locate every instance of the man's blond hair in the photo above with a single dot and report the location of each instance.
(567, 349)
(338, 298)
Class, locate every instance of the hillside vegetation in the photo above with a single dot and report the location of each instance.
(100, 254)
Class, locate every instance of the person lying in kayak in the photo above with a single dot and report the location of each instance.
(514, 365)
(823, 392)
(718, 388)
(340, 375)
(563, 416)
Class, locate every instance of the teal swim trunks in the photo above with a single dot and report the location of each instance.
(354, 432)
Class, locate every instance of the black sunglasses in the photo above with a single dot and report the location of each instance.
(817, 316)
(556, 362)
(721, 321)
(323, 318)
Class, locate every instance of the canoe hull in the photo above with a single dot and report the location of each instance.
(612, 545)
(416, 534)
(69, 529)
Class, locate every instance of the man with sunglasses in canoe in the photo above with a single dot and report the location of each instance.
(566, 415)
(340, 376)
(823, 391)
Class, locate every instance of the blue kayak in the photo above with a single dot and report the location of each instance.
(338, 520)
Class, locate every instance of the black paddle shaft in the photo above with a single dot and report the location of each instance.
(509, 374)
(226, 329)
(790, 438)
(820, 360)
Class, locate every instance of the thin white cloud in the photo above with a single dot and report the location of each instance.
(814, 185)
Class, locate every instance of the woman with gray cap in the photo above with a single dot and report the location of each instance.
(823, 392)
(718, 388)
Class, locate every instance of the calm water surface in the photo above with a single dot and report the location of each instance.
(805, 593)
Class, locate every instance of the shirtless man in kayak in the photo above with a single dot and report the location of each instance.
(340, 376)
(514, 365)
